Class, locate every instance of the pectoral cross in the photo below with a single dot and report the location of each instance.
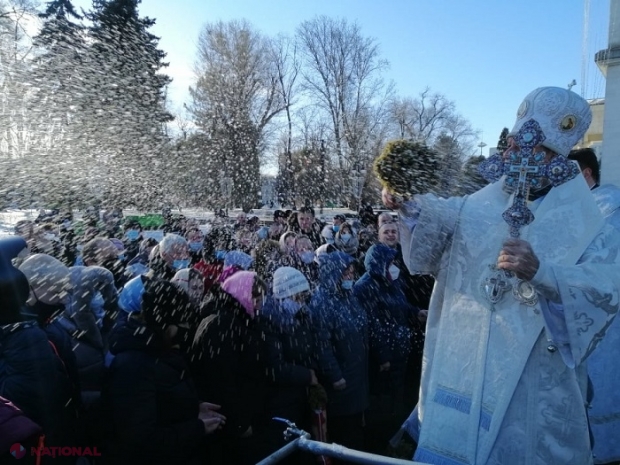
(495, 285)
(524, 172)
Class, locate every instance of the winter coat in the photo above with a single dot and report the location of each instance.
(228, 365)
(387, 309)
(343, 336)
(33, 377)
(292, 348)
(151, 401)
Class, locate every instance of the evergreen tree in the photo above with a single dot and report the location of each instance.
(471, 181)
(450, 153)
(127, 100)
(502, 143)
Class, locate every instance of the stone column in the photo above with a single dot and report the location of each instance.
(608, 61)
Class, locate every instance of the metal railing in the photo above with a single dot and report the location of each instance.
(300, 440)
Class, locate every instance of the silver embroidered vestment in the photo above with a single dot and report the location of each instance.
(496, 387)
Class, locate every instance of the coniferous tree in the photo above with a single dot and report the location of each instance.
(54, 104)
(127, 90)
(471, 180)
(502, 143)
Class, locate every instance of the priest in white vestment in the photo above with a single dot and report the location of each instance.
(517, 307)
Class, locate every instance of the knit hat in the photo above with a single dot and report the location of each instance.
(239, 286)
(288, 281)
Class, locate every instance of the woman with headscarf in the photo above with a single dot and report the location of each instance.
(229, 366)
(389, 314)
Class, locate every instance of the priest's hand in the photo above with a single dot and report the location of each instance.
(517, 256)
(390, 200)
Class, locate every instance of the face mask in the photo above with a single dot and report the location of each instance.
(180, 264)
(220, 255)
(345, 237)
(79, 247)
(49, 237)
(121, 257)
(307, 257)
(394, 271)
(195, 246)
(132, 234)
(329, 241)
(347, 284)
(336, 228)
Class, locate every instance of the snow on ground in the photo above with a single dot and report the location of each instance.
(8, 218)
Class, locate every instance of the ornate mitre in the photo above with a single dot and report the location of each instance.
(562, 115)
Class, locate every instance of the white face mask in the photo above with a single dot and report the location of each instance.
(394, 272)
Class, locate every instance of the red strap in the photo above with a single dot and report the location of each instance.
(58, 355)
(40, 445)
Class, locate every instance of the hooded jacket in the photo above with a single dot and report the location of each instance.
(386, 307)
(343, 337)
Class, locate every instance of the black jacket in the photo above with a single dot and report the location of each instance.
(151, 401)
(292, 348)
(229, 368)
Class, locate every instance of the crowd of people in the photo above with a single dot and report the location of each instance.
(185, 349)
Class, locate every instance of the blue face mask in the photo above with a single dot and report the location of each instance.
(347, 284)
(121, 257)
(220, 255)
(180, 264)
(307, 257)
(336, 228)
(345, 237)
(132, 234)
(195, 246)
